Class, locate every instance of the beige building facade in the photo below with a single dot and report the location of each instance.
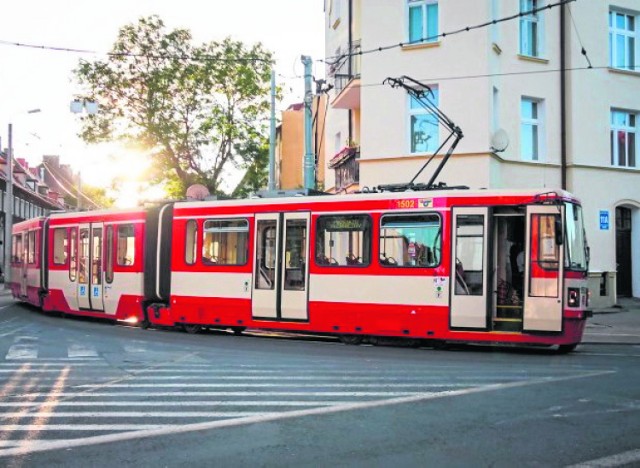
(290, 144)
(503, 86)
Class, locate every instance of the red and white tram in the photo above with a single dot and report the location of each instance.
(460, 266)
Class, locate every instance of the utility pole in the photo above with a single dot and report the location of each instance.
(8, 211)
(272, 135)
(309, 159)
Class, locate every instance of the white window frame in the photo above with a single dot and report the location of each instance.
(434, 36)
(420, 111)
(527, 22)
(632, 35)
(627, 129)
(537, 122)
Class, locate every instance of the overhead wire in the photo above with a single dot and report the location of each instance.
(62, 186)
(583, 51)
(336, 58)
(196, 58)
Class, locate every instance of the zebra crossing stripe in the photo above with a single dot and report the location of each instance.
(220, 394)
(82, 427)
(271, 385)
(141, 414)
(27, 404)
(79, 350)
(22, 351)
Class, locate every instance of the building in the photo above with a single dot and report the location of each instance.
(31, 196)
(532, 112)
(290, 144)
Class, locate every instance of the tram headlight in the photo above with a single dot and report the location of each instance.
(574, 297)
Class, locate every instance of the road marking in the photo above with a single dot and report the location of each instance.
(367, 378)
(27, 404)
(610, 354)
(15, 330)
(618, 459)
(82, 427)
(143, 414)
(22, 351)
(78, 350)
(39, 363)
(271, 385)
(226, 394)
(317, 372)
(210, 425)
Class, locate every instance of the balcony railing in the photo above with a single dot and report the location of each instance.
(347, 68)
(347, 169)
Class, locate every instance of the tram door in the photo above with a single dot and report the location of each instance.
(90, 276)
(280, 281)
(24, 272)
(469, 268)
(543, 269)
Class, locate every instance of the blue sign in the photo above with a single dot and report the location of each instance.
(96, 291)
(604, 220)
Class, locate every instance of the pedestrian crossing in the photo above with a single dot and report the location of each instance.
(80, 399)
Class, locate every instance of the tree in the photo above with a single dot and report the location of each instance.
(194, 108)
(256, 176)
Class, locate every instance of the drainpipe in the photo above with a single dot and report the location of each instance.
(350, 134)
(563, 104)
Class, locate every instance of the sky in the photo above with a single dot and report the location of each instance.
(42, 79)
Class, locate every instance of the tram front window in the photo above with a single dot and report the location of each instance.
(576, 250)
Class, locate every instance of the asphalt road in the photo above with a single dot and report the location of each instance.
(85, 393)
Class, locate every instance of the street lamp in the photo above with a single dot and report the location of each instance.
(8, 205)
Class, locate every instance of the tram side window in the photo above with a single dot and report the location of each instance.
(73, 255)
(343, 240)
(109, 260)
(17, 250)
(31, 247)
(225, 242)
(126, 245)
(295, 255)
(410, 240)
(84, 257)
(469, 255)
(266, 254)
(545, 257)
(60, 246)
(191, 242)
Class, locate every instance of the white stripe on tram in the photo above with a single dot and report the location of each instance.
(43, 446)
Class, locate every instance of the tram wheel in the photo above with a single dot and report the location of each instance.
(238, 330)
(566, 348)
(352, 340)
(145, 324)
(191, 329)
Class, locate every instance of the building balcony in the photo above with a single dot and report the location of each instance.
(347, 169)
(346, 74)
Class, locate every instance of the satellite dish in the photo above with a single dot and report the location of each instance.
(499, 141)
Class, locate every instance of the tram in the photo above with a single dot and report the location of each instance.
(441, 265)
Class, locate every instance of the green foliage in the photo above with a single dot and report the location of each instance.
(192, 107)
(94, 198)
(256, 176)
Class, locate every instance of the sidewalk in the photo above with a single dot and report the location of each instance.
(615, 325)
